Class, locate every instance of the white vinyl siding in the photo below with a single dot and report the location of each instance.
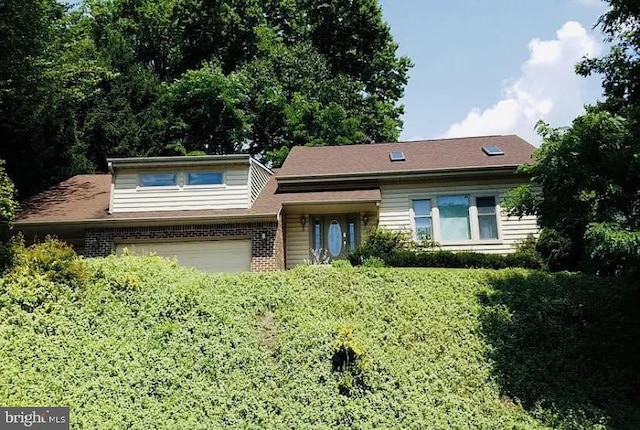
(259, 177)
(396, 214)
(296, 241)
(210, 256)
(128, 196)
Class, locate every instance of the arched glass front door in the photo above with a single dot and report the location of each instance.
(334, 236)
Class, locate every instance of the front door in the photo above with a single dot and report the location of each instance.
(334, 236)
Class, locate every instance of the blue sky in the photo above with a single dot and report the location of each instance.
(494, 66)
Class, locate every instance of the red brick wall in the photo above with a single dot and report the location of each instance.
(267, 248)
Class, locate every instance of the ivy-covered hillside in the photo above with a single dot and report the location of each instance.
(140, 343)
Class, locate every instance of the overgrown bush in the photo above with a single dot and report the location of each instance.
(350, 362)
(527, 250)
(149, 344)
(611, 250)
(8, 206)
(382, 243)
(42, 274)
(340, 264)
(384, 247)
(558, 252)
(373, 262)
(462, 260)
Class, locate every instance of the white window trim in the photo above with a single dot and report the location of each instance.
(473, 217)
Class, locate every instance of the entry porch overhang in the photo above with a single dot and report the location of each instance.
(324, 202)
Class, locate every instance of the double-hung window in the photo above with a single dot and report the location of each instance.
(422, 219)
(487, 223)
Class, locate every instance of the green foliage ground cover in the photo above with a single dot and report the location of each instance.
(140, 343)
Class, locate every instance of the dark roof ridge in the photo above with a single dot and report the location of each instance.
(437, 139)
(441, 139)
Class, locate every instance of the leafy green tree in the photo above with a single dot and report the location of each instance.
(277, 83)
(208, 114)
(48, 84)
(586, 177)
(159, 77)
(583, 174)
(620, 68)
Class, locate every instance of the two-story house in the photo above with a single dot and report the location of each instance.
(231, 213)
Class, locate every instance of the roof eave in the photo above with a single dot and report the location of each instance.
(149, 220)
(330, 202)
(183, 160)
(407, 174)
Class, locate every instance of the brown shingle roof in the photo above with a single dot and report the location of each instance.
(427, 155)
(86, 198)
(81, 197)
(271, 200)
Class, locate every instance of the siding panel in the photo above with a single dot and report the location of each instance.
(127, 197)
(259, 178)
(297, 242)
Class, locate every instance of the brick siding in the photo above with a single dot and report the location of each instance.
(267, 246)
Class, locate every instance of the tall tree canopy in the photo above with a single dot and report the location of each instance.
(585, 185)
(161, 77)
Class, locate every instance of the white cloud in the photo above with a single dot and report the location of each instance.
(547, 89)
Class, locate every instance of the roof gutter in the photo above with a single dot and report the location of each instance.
(185, 160)
(148, 220)
(329, 202)
(408, 174)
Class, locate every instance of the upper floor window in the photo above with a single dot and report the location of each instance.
(205, 178)
(454, 218)
(422, 219)
(158, 179)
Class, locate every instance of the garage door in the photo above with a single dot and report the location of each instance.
(211, 256)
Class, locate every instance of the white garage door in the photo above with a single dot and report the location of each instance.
(211, 256)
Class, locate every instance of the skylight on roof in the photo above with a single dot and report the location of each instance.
(492, 150)
(396, 156)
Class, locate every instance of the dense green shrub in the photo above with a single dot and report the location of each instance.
(611, 250)
(557, 251)
(148, 344)
(42, 275)
(381, 243)
(462, 260)
(349, 360)
(373, 262)
(8, 206)
(529, 248)
(340, 264)
(384, 247)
